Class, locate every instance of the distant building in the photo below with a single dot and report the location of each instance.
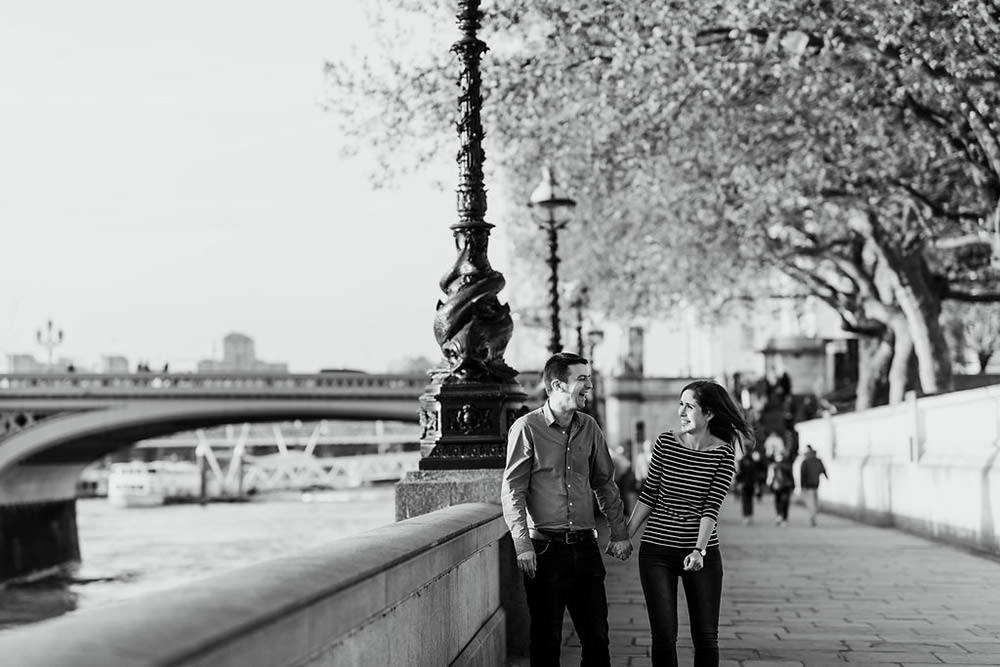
(114, 363)
(26, 363)
(238, 356)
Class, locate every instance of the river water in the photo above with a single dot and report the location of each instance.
(132, 551)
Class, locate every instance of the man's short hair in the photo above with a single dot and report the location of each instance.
(557, 368)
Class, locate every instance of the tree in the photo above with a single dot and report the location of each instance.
(837, 145)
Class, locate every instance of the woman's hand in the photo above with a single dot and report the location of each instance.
(693, 561)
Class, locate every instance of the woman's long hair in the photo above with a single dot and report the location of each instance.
(728, 422)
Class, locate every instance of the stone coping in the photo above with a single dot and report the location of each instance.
(343, 582)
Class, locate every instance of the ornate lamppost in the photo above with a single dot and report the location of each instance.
(580, 299)
(594, 338)
(50, 340)
(553, 205)
(474, 396)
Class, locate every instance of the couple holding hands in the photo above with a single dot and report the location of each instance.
(558, 463)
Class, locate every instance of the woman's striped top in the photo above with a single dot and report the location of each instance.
(683, 486)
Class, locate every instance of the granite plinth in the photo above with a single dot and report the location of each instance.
(423, 491)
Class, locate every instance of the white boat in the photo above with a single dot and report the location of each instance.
(148, 484)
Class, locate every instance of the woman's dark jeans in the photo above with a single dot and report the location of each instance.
(782, 498)
(746, 499)
(569, 576)
(659, 569)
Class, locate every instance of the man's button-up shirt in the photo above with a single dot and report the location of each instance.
(552, 475)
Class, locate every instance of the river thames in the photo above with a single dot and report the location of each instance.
(134, 551)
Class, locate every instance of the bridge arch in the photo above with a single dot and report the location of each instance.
(43, 462)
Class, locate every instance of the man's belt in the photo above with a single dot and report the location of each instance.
(563, 536)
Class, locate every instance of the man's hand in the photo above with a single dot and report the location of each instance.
(620, 549)
(527, 563)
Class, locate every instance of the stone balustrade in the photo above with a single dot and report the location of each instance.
(186, 384)
(929, 465)
(425, 591)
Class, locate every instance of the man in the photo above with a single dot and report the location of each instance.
(809, 473)
(557, 462)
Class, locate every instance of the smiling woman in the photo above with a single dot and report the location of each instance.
(688, 480)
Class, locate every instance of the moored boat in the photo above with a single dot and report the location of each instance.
(148, 484)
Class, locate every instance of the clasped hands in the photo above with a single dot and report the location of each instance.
(620, 549)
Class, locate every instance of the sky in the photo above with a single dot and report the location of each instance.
(167, 176)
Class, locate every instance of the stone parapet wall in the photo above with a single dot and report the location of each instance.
(425, 591)
(929, 465)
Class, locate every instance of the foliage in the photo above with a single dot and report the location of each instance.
(975, 332)
(708, 143)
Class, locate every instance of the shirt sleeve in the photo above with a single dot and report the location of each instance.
(651, 487)
(721, 481)
(514, 487)
(602, 481)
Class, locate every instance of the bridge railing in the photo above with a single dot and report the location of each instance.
(158, 383)
(426, 591)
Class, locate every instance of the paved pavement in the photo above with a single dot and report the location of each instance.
(839, 593)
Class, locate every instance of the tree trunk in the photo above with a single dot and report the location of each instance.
(922, 307)
(984, 361)
(901, 353)
(874, 355)
(904, 270)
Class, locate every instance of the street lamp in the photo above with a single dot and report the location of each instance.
(474, 395)
(554, 206)
(49, 341)
(578, 302)
(594, 338)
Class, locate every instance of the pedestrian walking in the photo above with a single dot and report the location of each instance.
(557, 462)
(781, 480)
(689, 477)
(746, 485)
(809, 473)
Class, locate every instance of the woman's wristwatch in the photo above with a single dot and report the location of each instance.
(703, 552)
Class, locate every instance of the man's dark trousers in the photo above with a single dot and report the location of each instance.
(569, 576)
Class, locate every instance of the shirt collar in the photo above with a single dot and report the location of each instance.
(550, 417)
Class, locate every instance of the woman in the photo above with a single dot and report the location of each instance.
(746, 484)
(689, 477)
(781, 481)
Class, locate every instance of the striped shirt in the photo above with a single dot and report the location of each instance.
(684, 485)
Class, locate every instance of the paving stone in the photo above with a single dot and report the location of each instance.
(841, 594)
(968, 658)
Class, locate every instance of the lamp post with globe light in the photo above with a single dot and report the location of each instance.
(553, 207)
(594, 338)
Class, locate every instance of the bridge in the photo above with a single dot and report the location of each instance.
(53, 425)
(281, 456)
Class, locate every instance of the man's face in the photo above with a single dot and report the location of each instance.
(575, 390)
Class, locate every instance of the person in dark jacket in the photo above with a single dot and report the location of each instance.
(781, 480)
(809, 473)
(746, 485)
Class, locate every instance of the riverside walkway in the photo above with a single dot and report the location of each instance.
(840, 593)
